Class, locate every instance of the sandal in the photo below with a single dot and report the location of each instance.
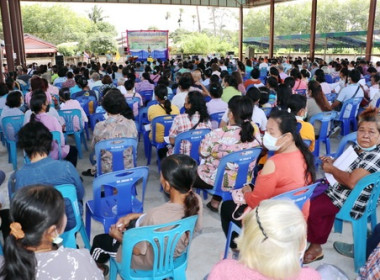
(344, 249)
(212, 208)
(87, 173)
(315, 258)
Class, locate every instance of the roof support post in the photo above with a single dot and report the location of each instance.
(313, 28)
(14, 27)
(371, 25)
(241, 32)
(271, 29)
(7, 33)
(21, 33)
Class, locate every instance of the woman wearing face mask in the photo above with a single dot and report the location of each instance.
(291, 167)
(37, 216)
(40, 108)
(297, 106)
(271, 246)
(325, 206)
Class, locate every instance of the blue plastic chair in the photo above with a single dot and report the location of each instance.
(195, 137)
(301, 92)
(11, 126)
(359, 226)
(298, 196)
(331, 97)
(348, 139)
(132, 100)
(68, 116)
(182, 110)
(166, 121)
(325, 118)
(1, 131)
(328, 78)
(350, 120)
(163, 240)
(69, 237)
(231, 229)
(243, 159)
(57, 138)
(216, 117)
(58, 85)
(378, 103)
(95, 118)
(267, 110)
(143, 117)
(116, 146)
(146, 95)
(110, 208)
(97, 91)
(89, 104)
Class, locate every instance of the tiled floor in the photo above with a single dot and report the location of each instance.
(207, 247)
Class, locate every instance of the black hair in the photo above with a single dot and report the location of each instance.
(114, 103)
(38, 99)
(320, 76)
(214, 79)
(304, 73)
(35, 138)
(36, 208)
(129, 84)
(161, 92)
(255, 73)
(231, 80)
(14, 99)
(198, 104)
(3, 89)
(70, 75)
(283, 94)
(272, 82)
(241, 108)
(296, 102)
(288, 123)
(371, 70)
(216, 90)
(354, 75)
(264, 92)
(290, 82)
(254, 94)
(64, 93)
(180, 171)
(295, 73)
(81, 81)
(10, 83)
(185, 82)
(146, 76)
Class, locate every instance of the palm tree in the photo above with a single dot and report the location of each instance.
(96, 14)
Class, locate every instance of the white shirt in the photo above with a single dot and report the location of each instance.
(179, 99)
(258, 117)
(325, 88)
(347, 93)
(263, 65)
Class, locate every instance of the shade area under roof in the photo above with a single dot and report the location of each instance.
(352, 39)
(213, 3)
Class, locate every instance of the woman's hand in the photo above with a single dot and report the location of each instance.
(327, 164)
(246, 188)
(116, 233)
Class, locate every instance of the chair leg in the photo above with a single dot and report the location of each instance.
(77, 137)
(88, 222)
(360, 245)
(84, 235)
(327, 142)
(113, 269)
(338, 225)
(83, 138)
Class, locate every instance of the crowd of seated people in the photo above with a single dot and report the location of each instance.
(263, 103)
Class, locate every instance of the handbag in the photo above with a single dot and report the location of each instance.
(239, 200)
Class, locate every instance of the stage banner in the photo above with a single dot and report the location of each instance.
(148, 43)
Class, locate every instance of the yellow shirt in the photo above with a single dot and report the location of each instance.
(307, 133)
(156, 111)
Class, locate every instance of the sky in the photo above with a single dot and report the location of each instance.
(140, 16)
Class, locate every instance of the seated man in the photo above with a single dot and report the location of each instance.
(36, 140)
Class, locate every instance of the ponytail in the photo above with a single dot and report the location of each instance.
(33, 117)
(146, 76)
(191, 204)
(167, 106)
(21, 262)
(246, 132)
(309, 159)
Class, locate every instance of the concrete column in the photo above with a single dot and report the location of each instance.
(313, 28)
(15, 30)
(241, 32)
(7, 34)
(21, 32)
(371, 25)
(271, 29)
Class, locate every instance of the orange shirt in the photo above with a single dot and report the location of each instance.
(289, 175)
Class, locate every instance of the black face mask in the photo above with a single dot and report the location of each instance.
(47, 108)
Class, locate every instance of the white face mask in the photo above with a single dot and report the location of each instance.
(270, 142)
(58, 239)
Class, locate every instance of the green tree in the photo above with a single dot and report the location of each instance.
(96, 14)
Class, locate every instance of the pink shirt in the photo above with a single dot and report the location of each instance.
(53, 125)
(135, 105)
(144, 85)
(232, 269)
(28, 96)
(74, 104)
(299, 84)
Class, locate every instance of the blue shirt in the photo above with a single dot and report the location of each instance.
(48, 171)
